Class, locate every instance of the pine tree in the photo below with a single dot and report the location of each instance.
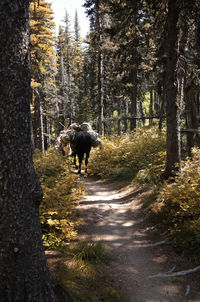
(77, 62)
(42, 68)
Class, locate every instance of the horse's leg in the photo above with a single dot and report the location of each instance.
(86, 160)
(80, 158)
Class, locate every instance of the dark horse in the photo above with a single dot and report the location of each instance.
(81, 145)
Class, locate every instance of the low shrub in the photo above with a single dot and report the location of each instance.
(178, 204)
(60, 190)
(140, 154)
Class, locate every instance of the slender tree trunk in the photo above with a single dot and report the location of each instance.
(162, 110)
(192, 121)
(24, 275)
(134, 96)
(141, 114)
(151, 107)
(46, 132)
(126, 116)
(156, 102)
(172, 86)
(119, 122)
(49, 132)
(41, 129)
(101, 93)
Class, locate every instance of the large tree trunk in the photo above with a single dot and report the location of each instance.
(24, 272)
(172, 86)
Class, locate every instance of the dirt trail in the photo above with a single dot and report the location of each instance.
(115, 217)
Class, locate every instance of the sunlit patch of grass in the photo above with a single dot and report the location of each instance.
(91, 251)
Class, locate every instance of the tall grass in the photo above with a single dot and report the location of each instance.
(82, 273)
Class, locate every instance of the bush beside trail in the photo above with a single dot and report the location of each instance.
(139, 155)
(60, 191)
(178, 205)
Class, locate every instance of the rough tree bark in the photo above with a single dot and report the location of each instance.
(38, 122)
(24, 275)
(172, 90)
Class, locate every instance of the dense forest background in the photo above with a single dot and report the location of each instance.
(138, 65)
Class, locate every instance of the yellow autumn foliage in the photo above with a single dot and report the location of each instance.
(60, 191)
(140, 154)
(179, 204)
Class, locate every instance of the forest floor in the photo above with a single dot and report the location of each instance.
(113, 213)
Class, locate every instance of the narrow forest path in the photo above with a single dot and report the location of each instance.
(115, 216)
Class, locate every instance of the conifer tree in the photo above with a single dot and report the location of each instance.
(77, 62)
(62, 80)
(42, 69)
(66, 51)
(94, 10)
(72, 76)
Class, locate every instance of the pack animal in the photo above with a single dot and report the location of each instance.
(77, 140)
(81, 145)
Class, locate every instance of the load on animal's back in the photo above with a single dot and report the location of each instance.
(78, 140)
(95, 140)
(66, 137)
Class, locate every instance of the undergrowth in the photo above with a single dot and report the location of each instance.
(139, 156)
(178, 205)
(60, 190)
